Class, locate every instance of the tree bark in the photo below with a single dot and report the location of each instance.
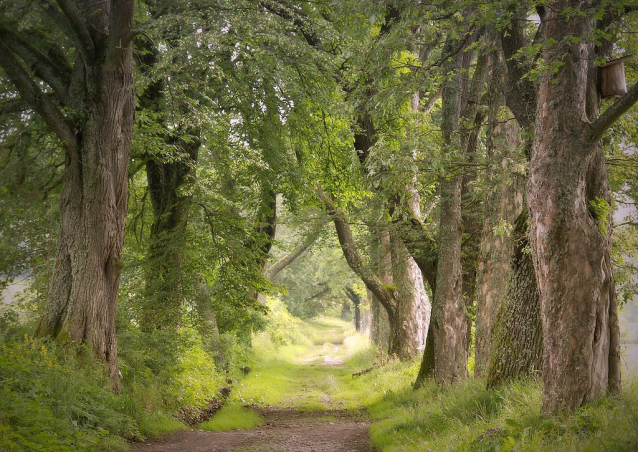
(82, 298)
(517, 335)
(503, 204)
(449, 316)
(413, 307)
(570, 219)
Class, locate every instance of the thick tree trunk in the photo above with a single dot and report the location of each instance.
(82, 299)
(517, 335)
(570, 219)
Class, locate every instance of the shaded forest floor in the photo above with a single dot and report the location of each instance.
(294, 399)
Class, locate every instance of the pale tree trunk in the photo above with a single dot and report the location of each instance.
(82, 298)
(570, 217)
(366, 314)
(380, 319)
(503, 204)
(412, 301)
(413, 308)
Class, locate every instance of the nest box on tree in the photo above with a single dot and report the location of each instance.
(612, 78)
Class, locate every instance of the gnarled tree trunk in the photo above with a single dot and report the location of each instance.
(570, 217)
(82, 298)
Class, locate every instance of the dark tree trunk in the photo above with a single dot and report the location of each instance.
(82, 298)
(165, 280)
(356, 302)
(517, 335)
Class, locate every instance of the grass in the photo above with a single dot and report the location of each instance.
(53, 400)
(465, 416)
(233, 417)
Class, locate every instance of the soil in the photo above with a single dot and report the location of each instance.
(284, 430)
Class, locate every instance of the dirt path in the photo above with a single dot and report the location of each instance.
(294, 424)
(283, 431)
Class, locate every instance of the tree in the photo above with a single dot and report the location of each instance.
(449, 315)
(89, 105)
(570, 214)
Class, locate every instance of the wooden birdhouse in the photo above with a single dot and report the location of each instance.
(612, 78)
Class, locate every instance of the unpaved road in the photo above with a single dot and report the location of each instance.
(283, 431)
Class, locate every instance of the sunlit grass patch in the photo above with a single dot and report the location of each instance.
(233, 417)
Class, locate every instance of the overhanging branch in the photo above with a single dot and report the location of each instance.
(44, 68)
(79, 29)
(353, 256)
(611, 115)
(40, 102)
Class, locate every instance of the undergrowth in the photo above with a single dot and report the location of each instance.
(52, 399)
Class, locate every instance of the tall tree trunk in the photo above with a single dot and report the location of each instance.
(165, 280)
(449, 316)
(503, 204)
(570, 217)
(82, 299)
(471, 122)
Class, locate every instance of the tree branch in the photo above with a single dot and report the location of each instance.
(611, 115)
(39, 101)
(81, 33)
(42, 66)
(353, 256)
(289, 258)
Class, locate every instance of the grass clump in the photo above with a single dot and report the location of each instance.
(469, 417)
(233, 417)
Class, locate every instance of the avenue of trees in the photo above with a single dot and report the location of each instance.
(448, 171)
